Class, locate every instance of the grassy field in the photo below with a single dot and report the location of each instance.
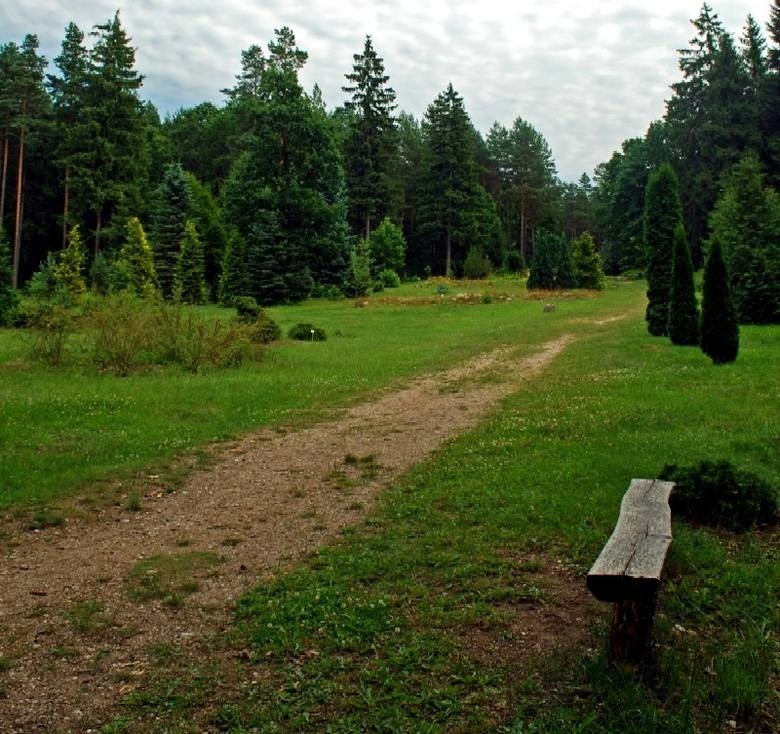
(67, 429)
(414, 622)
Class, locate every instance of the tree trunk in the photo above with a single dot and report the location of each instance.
(368, 225)
(5, 176)
(448, 267)
(522, 228)
(98, 223)
(18, 218)
(65, 208)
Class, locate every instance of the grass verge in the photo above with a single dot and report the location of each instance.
(459, 605)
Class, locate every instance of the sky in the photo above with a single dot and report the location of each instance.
(587, 74)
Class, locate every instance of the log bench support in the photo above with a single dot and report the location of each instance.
(628, 570)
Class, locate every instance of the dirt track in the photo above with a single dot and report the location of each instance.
(268, 501)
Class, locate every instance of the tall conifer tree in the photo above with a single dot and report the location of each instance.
(174, 205)
(719, 327)
(114, 111)
(663, 212)
(370, 143)
(683, 310)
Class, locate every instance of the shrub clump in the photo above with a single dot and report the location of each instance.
(307, 333)
(261, 328)
(718, 494)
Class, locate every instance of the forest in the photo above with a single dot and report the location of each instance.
(283, 199)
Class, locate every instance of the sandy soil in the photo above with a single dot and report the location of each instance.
(268, 501)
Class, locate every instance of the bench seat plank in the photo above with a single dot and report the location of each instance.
(630, 564)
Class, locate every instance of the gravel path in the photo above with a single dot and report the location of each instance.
(74, 639)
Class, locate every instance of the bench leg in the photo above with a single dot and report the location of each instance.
(631, 634)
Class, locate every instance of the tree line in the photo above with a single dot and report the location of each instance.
(281, 198)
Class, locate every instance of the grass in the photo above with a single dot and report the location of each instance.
(383, 632)
(67, 430)
(169, 578)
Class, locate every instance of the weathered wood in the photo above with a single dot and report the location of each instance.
(630, 564)
(628, 569)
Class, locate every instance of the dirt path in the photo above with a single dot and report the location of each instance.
(74, 640)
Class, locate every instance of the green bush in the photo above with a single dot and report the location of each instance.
(51, 325)
(476, 266)
(389, 278)
(247, 309)
(718, 494)
(307, 333)
(122, 327)
(514, 261)
(264, 330)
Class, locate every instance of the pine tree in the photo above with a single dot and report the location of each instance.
(663, 212)
(190, 283)
(68, 273)
(25, 99)
(75, 154)
(369, 145)
(719, 327)
(207, 218)
(135, 261)
(285, 193)
(9, 298)
(564, 264)
(746, 221)
(587, 263)
(233, 281)
(388, 248)
(115, 113)
(174, 205)
(544, 266)
(683, 310)
(358, 281)
(451, 196)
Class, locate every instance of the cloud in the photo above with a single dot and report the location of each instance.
(586, 75)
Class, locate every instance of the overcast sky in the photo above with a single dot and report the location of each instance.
(586, 74)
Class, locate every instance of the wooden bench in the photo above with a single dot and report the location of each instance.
(628, 570)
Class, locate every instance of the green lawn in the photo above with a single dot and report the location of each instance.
(66, 429)
(374, 634)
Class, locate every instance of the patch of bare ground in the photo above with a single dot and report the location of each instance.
(553, 616)
(84, 605)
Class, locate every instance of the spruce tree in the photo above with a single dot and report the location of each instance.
(135, 261)
(190, 283)
(369, 144)
(207, 218)
(68, 273)
(587, 263)
(358, 281)
(683, 310)
(746, 220)
(719, 327)
(544, 268)
(9, 299)
(114, 111)
(174, 204)
(663, 212)
(74, 151)
(233, 281)
(388, 248)
(564, 265)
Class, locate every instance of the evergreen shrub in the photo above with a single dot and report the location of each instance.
(389, 278)
(307, 333)
(514, 261)
(476, 266)
(716, 493)
(719, 328)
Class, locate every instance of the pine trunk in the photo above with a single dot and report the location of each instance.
(5, 177)
(65, 208)
(448, 267)
(18, 217)
(98, 223)
(522, 229)
(368, 225)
